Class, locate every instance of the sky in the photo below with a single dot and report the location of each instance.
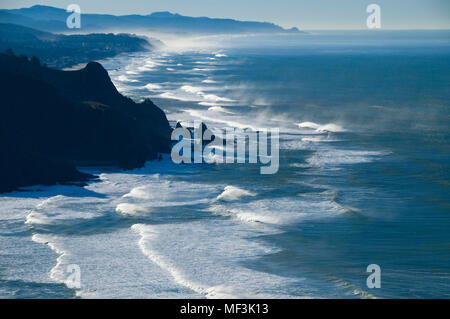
(304, 14)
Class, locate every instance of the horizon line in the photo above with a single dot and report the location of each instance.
(245, 20)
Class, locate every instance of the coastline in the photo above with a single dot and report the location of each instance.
(80, 105)
(70, 51)
(350, 191)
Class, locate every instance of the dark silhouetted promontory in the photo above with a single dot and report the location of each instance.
(52, 120)
(62, 51)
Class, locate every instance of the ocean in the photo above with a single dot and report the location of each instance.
(364, 178)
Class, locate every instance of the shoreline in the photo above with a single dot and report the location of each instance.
(144, 130)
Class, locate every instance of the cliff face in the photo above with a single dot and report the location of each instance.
(51, 120)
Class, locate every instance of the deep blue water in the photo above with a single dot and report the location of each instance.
(364, 177)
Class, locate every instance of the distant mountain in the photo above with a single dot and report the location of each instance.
(52, 120)
(54, 20)
(61, 51)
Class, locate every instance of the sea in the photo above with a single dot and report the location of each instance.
(363, 178)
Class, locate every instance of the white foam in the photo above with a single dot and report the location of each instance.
(61, 210)
(165, 193)
(301, 142)
(215, 98)
(200, 92)
(203, 256)
(23, 259)
(57, 273)
(279, 211)
(331, 127)
(192, 89)
(38, 218)
(127, 209)
(151, 63)
(194, 94)
(319, 139)
(225, 119)
(311, 125)
(141, 192)
(202, 69)
(144, 68)
(111, 266)
(334, 157)
(153, 87)
(231, 193)
(209, 81)
(104, 258)
(172, 96)
(299, 165)
(156, 193)
(124, 78)
(219, 109)
(147, 234)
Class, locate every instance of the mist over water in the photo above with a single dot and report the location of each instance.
(364, 178)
